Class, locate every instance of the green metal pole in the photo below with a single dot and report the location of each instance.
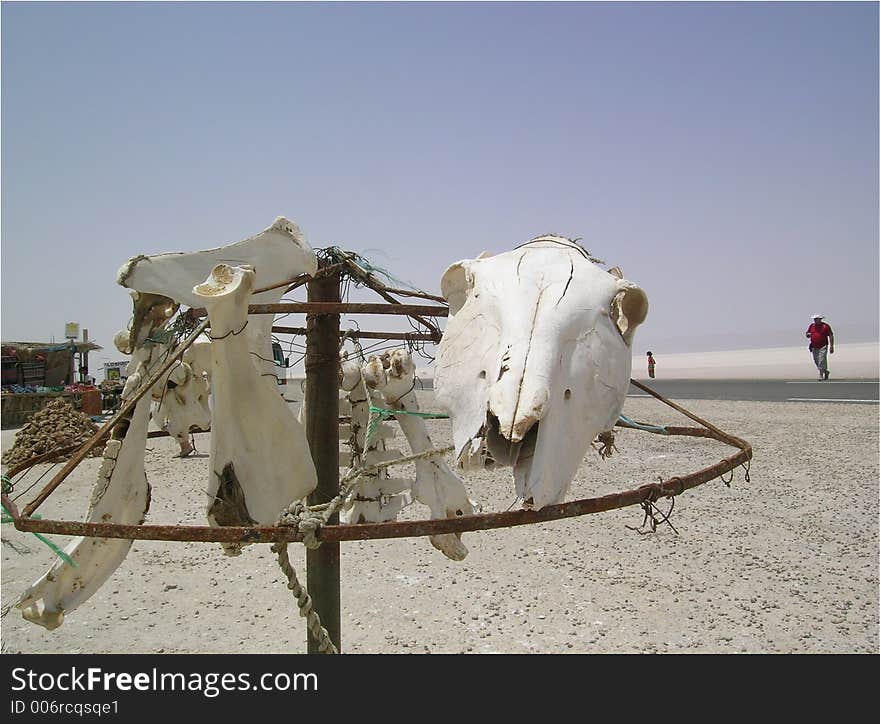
(322, 433)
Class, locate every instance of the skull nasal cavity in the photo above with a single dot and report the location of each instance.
(568, 394)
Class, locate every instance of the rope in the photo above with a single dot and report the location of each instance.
(624, 421)
(304, 602)
(378, 414)
(305, 521)
(7, 517)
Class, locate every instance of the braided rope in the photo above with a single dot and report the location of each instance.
(304, 601)
(305, 520)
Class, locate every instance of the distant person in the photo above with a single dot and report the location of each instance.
(821, 344)
(651, 364)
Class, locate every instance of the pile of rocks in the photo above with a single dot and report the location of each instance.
(54, 427)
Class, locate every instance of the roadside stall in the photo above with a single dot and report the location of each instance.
(36, 373)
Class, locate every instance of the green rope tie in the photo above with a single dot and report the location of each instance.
(378, 414)
(641, 426)
(6, 517)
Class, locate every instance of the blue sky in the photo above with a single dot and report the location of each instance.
(725, 155)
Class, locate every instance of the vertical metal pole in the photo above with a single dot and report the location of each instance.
(322, 432)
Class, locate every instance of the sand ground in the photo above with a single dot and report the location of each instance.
(786, 563)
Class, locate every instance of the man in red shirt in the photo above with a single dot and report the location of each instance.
(821, 344)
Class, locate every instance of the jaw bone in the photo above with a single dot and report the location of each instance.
(535, 360)
(380, 498)
(277, 254)
(121, 493)
(260, 461)
(436, 486)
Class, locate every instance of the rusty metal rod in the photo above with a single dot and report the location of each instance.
(355, 334)
(404, 529)
(339, 308)
(421, 295)
(108, 426)
(723, 435)
(382, 290)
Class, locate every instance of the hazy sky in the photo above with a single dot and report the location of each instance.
(725, 155)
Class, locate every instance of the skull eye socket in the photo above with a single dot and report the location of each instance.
(482, 374)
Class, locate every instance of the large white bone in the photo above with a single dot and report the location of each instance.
(379, 497)
(121, 493)
(260, 461)
(392, 376)
(277, 253)
(535, 360)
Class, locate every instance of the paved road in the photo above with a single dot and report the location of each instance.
(849, 391)
(846, 391)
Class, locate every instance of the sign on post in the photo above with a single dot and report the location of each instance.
(114, 370)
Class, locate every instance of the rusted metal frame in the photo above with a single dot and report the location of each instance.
(299, 280)
(405, 529)
(358, 271)
(356, 334)
(108, 426)
(723, 436)
(339, 308)
(420, 295)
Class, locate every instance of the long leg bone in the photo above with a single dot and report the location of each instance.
(260, 460)
(436, 486)
(121, 493)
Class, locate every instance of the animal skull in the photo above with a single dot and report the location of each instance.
(535, 360)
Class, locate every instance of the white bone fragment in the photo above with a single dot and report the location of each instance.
(198, 356)
(183, 405)
(392, 376)
(535, 360)
(277, 254)
(378, 497)
(121, 493)
(260, 461)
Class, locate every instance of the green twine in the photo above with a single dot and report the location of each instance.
(640, 426)
(337, 254)
(6, 517)
(378, 414)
